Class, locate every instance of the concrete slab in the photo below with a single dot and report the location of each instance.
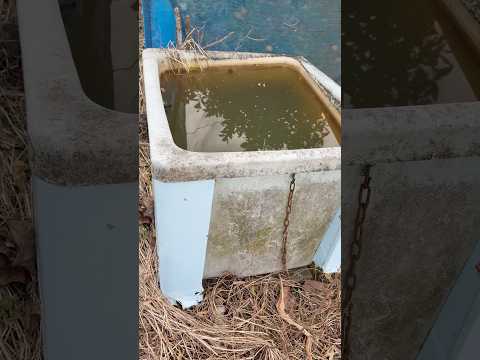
(74, 140)
(415, 243)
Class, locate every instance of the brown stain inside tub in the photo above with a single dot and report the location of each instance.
(245, 108)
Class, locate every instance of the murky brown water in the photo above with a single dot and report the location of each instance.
(245, 109)
(397, 53)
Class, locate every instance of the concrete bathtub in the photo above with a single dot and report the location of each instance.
(85, 186)
(224, 211)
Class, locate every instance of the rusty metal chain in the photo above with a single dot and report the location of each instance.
(350, 278)
(286, 222)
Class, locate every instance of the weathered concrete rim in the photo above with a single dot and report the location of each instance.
(411, 133)
(172, 164)
(74, 141)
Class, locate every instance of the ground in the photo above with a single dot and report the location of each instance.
(19, 305)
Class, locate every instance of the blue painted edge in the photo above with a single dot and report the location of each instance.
(453, 321)
(328, 254)
(182, 221)
(158, 23)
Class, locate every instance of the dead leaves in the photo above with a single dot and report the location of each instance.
(145, 217)
(10, 275)
(314, 285)
(17, 253)
(23, 237)
(145, 213)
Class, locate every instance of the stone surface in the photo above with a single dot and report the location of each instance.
(409, 133)
(247, 222)
(74, 141)
(421, 224)
(412, 256)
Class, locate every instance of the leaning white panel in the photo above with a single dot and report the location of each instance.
(328, 255)
(182, 218)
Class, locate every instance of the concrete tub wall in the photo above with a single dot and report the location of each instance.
(425, 159)
(247, 221)
(85, 198)
(413, 250)
(224, 212)
(209, 227)
(455, 334)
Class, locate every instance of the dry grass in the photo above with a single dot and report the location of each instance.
(19, 314)
(239, 318)
(179, 61)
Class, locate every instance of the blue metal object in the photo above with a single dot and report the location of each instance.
(182, 218)
(309, 28)
(158, 23)
(328, 255)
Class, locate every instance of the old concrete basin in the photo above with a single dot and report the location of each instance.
(84, 177)
(222, 211)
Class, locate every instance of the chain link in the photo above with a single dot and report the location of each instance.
(350, 279)
(286, 222)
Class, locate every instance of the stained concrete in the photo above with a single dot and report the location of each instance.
(412, 256)
(251, 188)
(172, 164)
(411, 133)
(73, 140)
(247, 222)
(455, 333)
(86, 231)
(421, 223)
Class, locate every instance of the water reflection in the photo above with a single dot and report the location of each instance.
(245, 110)
(408, 54)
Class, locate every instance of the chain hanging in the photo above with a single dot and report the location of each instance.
(286, 223)
(350, 278)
